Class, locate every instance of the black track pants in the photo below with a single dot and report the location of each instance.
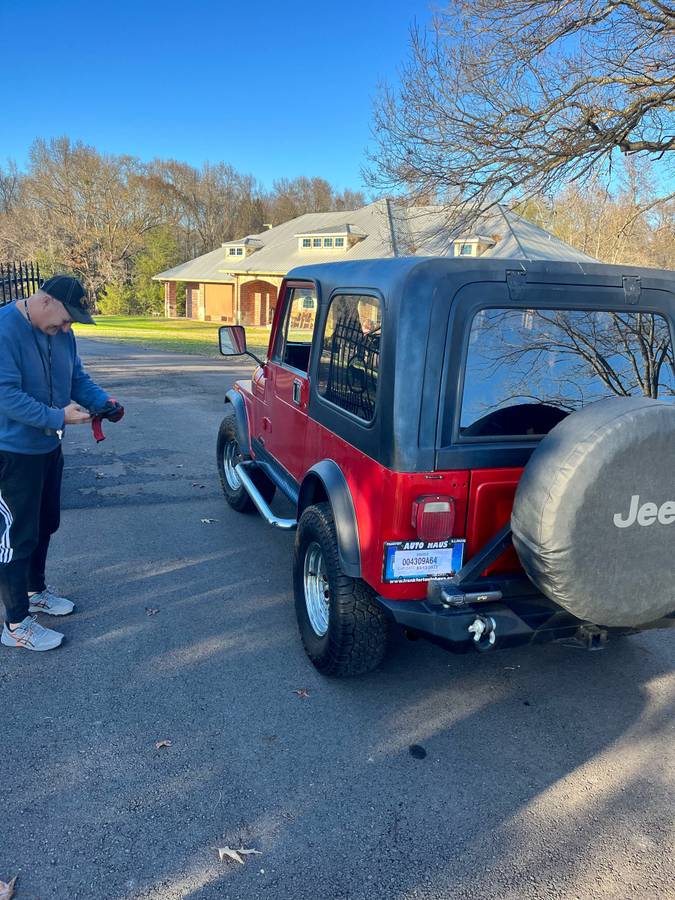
(30, 512)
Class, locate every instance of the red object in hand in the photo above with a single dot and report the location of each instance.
(112, 411)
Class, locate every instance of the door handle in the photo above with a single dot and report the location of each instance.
(297, 391)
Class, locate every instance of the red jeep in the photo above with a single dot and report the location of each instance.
(480, 450)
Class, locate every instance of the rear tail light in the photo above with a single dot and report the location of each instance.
(433, 517)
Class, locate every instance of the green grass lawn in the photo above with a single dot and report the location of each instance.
(178, 335)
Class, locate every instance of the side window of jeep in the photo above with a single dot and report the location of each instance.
(350, 354)
(294, 340)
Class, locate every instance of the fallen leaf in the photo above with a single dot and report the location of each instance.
(160, 744)
(100, 475)
(302, 693)
(196, 484)
(151, 610)
(236, 855)
(208, 521)
(7, 890)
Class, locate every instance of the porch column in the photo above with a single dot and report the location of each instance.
(170, 299)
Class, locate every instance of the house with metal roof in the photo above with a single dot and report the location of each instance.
(238, 282)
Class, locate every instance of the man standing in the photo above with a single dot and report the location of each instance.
(43, 388)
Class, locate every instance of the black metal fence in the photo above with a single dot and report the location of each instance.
(18, 280)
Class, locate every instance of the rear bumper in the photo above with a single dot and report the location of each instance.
(521, 616)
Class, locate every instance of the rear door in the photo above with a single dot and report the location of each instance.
(288, 380)
(517, 365)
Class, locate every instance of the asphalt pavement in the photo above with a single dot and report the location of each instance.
(543, 772)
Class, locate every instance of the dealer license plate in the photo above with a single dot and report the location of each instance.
(422, 561)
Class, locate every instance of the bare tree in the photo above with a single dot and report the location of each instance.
(208, 203)
(10, 187)
(505, 99)
(294, 197)
(82, 211)
(627, 222)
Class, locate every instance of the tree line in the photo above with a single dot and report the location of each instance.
(115, 220)
(629, 222)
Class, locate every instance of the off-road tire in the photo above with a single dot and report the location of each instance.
(358, 629)
(238, 497)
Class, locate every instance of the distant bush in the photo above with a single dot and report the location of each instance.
(118, 300)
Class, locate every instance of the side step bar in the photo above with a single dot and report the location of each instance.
(259, 501)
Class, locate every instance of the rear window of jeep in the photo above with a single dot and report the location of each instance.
(527, 369)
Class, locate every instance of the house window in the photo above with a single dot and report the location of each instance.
(232, 251)
(240, 251)
(466, 250)
(339, 242)
(306, 242)
(350, 354)
(328, 242)
(316, 242)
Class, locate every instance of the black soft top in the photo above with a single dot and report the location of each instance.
(427, 303)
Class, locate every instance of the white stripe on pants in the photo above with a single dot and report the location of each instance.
(6, 551)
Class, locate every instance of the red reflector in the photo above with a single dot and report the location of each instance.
(433, 518)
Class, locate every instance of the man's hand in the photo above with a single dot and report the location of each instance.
(75, 415)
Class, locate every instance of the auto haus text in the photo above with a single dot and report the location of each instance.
(424, 545)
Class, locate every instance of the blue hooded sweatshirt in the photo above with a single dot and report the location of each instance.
(27, 379)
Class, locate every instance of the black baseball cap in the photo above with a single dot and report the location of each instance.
(71, 293)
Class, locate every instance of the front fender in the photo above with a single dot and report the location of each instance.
(236, 401)
(325, 478)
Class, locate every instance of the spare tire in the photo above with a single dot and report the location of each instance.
(594, 514)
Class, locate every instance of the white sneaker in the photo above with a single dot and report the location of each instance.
(48, 603)
(29, 635)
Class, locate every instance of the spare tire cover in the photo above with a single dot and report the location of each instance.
(594, 514)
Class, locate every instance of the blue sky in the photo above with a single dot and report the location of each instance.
(276, 89)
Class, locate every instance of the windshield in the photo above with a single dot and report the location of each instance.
(527, 369)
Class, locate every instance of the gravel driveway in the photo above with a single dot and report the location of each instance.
(535, 773)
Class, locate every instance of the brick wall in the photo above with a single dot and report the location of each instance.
(257, 300)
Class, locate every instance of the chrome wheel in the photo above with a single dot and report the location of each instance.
(316, 589)
(231, 457)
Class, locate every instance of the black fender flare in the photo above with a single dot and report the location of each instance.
(326, 477)
(235, 399)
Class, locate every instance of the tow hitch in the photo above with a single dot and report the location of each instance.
(484, 631)
(588, 637)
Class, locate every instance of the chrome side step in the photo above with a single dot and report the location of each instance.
(259, 500)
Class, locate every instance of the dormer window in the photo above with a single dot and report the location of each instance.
(473, 244)
(242, 248)
(333, 237)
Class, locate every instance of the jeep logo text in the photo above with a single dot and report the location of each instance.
(646, 514)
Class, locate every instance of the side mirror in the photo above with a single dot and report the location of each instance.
(232, 340)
